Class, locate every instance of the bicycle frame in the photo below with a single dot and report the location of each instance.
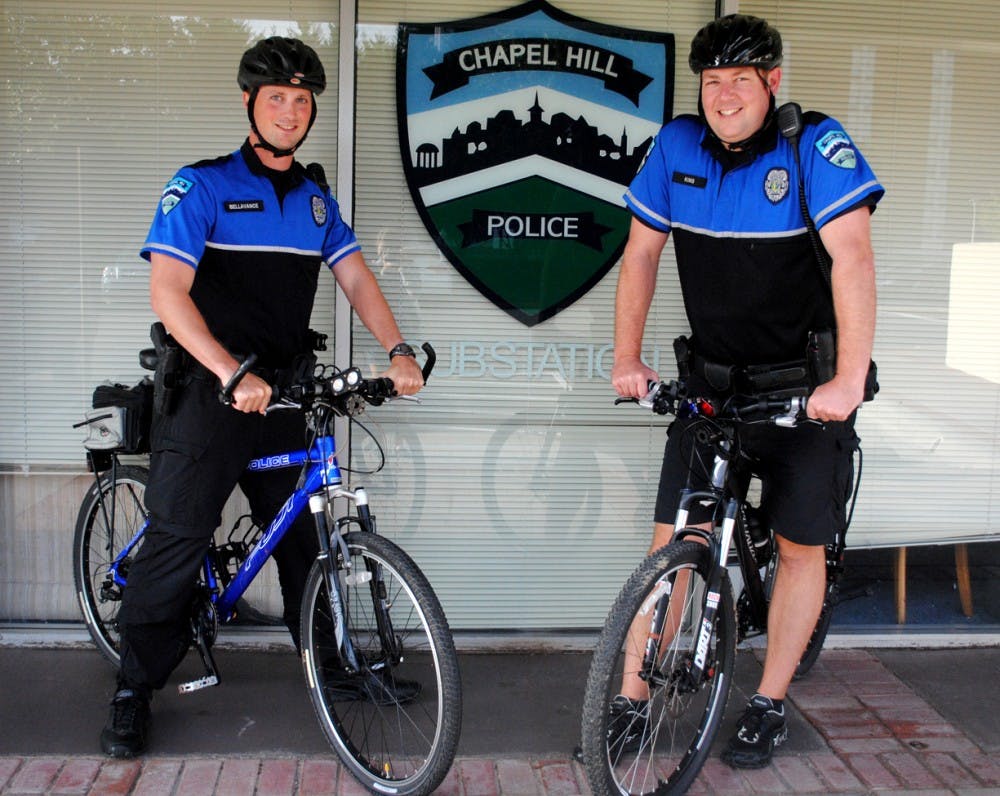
(323, 474)
(322, 482)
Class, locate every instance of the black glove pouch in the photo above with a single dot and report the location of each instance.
(821, 357)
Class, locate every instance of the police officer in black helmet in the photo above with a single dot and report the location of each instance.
(724, 186)
(235, 249)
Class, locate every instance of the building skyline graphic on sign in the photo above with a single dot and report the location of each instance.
(504, 137)
(519, 132)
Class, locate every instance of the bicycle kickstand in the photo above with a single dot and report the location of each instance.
(211, 670)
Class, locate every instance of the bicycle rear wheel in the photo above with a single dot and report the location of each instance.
(683, 716)
(815, 645)
(399, 745)
(834, 566)
(111, 514)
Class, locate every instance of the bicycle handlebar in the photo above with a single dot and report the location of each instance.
(226, 395)
(336, 389)
(671, 398)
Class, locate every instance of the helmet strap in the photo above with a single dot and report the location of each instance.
(263, 143)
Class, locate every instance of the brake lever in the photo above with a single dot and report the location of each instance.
(796, 415)
(416, 399)
(284, 403)
(647, 401)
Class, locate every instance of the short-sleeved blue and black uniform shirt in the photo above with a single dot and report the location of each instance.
(751, 283)
(256, 238)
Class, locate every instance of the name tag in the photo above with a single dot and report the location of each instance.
(245, 206)
(690, 179)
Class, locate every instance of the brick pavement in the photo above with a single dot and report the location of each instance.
(881, 737)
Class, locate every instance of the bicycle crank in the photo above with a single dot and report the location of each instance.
(205, 628)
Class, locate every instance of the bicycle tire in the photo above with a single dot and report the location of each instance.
(818, 637)
(95, 546)
(389, 748)
(681, 726)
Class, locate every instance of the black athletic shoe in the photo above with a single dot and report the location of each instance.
(758, 732)
(628, 726)
(127, 727)
(379, 687)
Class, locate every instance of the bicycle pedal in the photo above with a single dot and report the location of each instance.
(197, 685)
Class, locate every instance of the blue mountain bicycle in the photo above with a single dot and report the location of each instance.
(379, 660)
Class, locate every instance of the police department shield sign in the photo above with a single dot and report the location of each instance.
(519, 133)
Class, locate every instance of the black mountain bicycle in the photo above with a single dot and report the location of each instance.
(682, 598)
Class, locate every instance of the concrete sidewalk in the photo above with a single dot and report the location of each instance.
(864, 721)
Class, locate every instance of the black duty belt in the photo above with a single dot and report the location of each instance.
(787, 378)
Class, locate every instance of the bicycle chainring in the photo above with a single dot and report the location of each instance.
(205, 619)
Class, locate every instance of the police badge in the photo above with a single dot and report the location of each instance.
(318, 210)
(776, 185)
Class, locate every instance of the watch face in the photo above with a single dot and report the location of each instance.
(403, 349)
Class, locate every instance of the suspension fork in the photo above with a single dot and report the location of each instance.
(376, 583)
(719, 547)
(663, 605)
(372, 575)
(327, 560)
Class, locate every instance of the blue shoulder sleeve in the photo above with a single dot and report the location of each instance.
(837, 176)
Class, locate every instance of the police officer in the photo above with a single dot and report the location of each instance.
(235, 249)
(725, 184)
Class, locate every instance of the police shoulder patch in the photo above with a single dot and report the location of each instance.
(318, 210)
(837, 148)
(174, 191)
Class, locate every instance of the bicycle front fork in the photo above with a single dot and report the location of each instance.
(318, 505)
(697, 663)
(332, 546)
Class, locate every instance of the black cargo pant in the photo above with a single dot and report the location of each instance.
(200, 453)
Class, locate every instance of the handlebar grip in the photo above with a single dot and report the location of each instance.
(375, 391)
(226, 396)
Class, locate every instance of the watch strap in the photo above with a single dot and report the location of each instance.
(402, 350)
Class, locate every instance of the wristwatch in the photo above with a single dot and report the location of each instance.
(402, 350)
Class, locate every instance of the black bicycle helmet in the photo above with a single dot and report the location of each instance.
(279, 61)
(735, 40)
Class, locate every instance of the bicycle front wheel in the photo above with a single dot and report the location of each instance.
(661, 748)
(111, 515)
(395, 723)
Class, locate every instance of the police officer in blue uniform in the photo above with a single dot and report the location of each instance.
(724, 184)
(235, 249)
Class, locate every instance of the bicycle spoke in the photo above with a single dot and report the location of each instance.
(657, 744)
(395, 733)
(109, 518)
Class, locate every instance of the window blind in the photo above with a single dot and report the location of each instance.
(103, 102)
(907, 81)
